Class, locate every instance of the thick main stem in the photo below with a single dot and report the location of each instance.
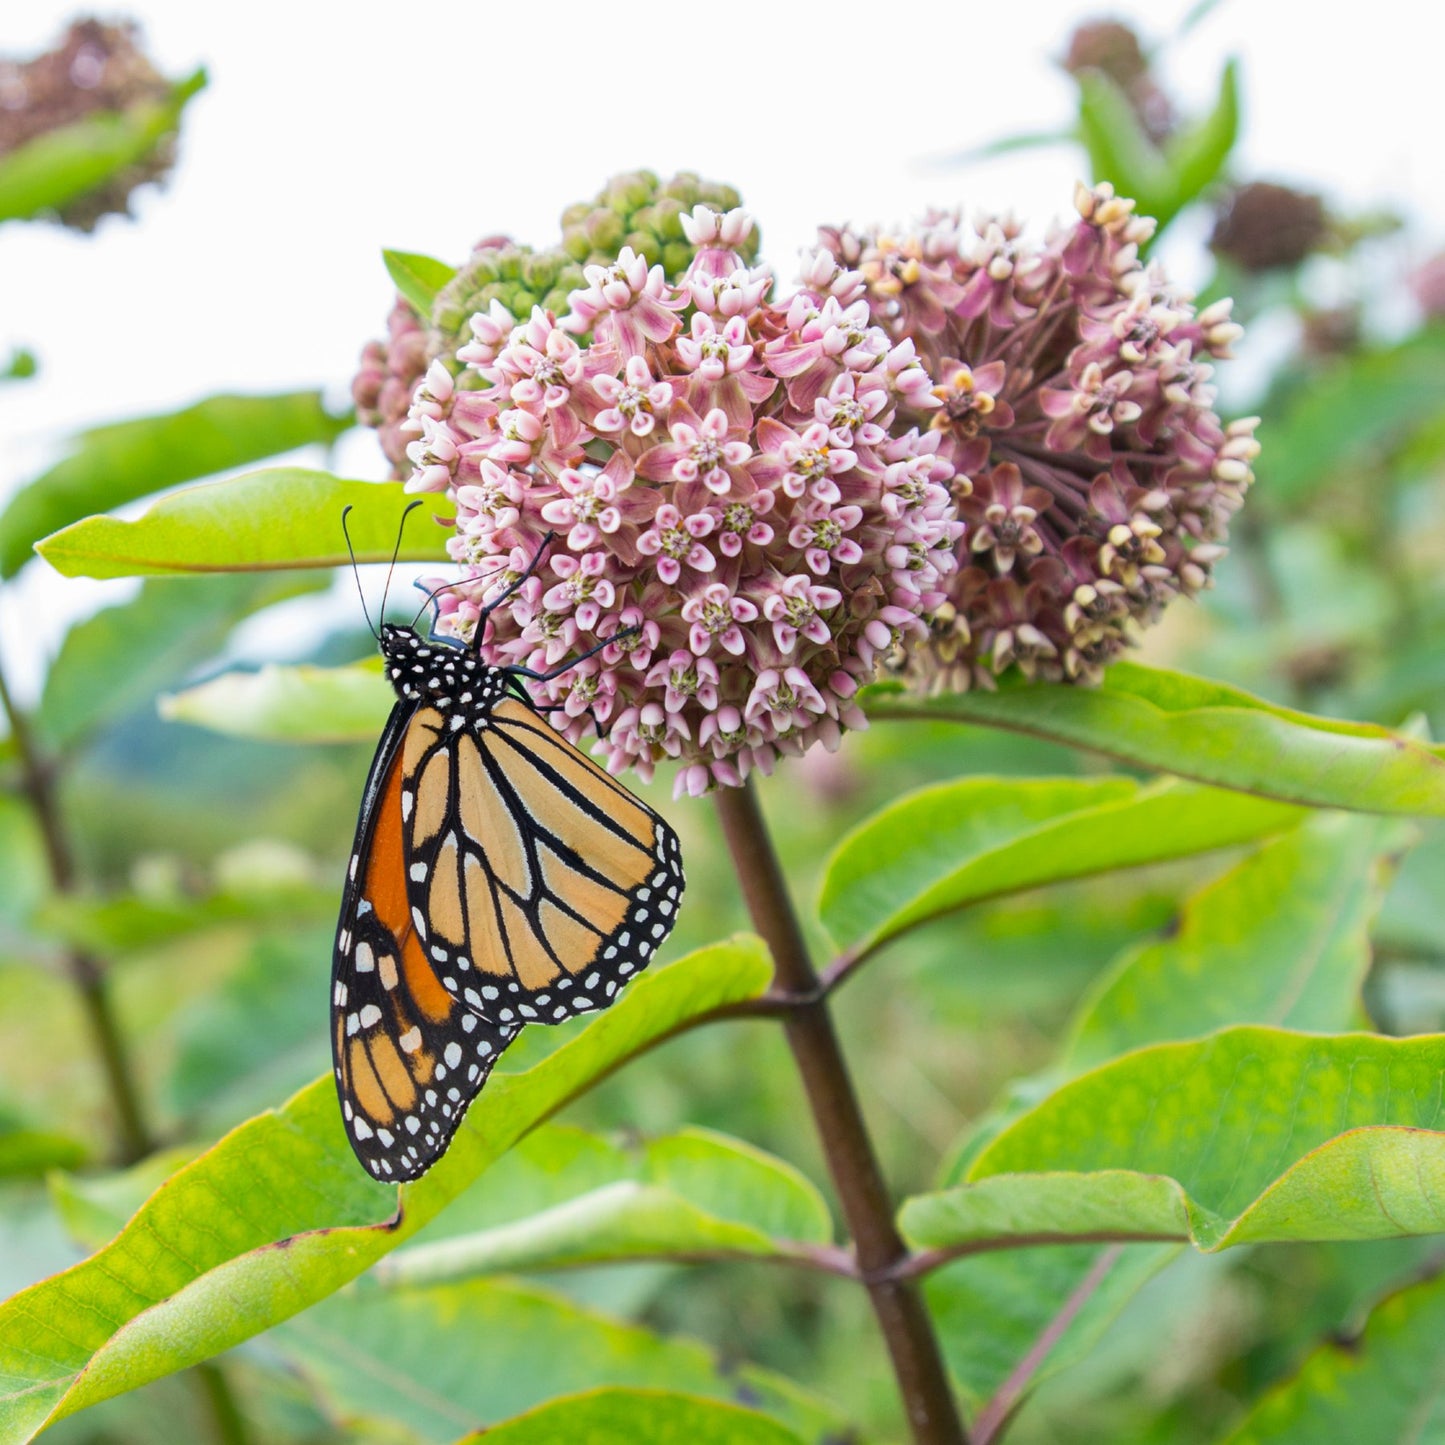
(87, 972)
(917, 1361)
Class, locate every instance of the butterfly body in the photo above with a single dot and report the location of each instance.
(499, 877)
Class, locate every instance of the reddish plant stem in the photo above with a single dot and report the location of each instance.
(996, 1414)
(87, 972)
(867, 1208)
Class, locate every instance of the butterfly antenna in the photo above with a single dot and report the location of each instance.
(395, 553)
(356, 571)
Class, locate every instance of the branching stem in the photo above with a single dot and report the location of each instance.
(867, 1208)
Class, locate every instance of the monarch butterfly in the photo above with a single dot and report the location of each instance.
(499, 877)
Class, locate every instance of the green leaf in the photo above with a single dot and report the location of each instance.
(956, 843)
(1366, 403)
(261, 521)
(114, 464)
(1259, 1134)
(446, 1358)
(278, 1215)
(95, 1207)
(690, 1193)
(1119, 150)
(115, 662)
(1047, 1208)
(418, 277)
(1307, 897)
(65, 164)
(627, 1417)
(1386, 1386)
(1197, 154)
(1282, 938)
(1211, 732)
(293, 704)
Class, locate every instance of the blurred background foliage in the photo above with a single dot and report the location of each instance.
(204, 870)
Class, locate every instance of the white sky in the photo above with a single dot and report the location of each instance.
(330, 131)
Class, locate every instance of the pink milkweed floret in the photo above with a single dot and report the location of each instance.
(732, 476)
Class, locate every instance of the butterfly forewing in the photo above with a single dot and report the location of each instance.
(540, 882)
(409, 1056)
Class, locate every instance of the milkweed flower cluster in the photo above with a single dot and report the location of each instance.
(1072, 389)
(633, 209)
(750, 508)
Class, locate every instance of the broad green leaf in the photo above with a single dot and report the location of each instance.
(114, 464)
(1387, 1386)
(956, 843)
(1119, 150)
(1197, 154)
(261, 521)
(278, 1215)
(63, 165)
(1266, 1134)
(289, 703)
(116, 661)
(418, 277)
(451, 1357)
(1282, 938)
(1365, 404)
(1047, 1208)
(690, 1193)
(1313, 952)
(1173, 723)
(95, 1207)
(629, 1417)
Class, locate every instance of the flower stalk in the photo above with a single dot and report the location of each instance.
(918, 1366)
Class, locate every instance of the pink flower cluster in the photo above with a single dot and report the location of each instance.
(1072, 389)
(746, 495)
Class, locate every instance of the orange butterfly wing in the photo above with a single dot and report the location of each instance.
(540, 883)
(409, 1057)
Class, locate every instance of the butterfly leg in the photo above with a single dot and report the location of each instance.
(516, 582)
(567, 666)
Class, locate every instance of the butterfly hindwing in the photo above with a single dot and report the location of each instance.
(409, 1056)
(541, 883)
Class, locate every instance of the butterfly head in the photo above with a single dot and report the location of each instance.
(425, 669)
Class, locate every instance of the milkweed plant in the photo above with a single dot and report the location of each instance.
(1047, 1026)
